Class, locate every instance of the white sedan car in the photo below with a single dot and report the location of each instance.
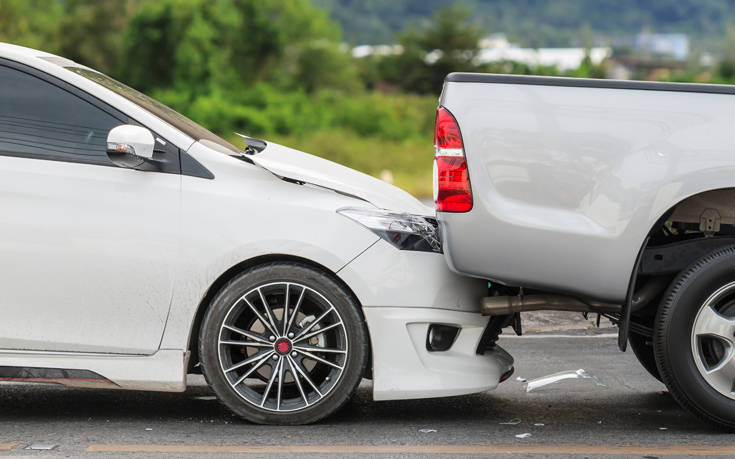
(137, 247)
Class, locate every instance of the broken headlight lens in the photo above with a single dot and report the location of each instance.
(404, 231)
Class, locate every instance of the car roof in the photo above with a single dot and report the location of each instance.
(14, 51)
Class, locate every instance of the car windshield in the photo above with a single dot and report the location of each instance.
(167, 114)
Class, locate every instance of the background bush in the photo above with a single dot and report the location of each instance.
(275, 69)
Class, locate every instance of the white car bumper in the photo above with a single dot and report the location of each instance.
(403, 293)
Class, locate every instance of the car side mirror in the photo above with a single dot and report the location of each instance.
(130, 146)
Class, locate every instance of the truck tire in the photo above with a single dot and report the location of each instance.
(694, 338)
(283, 343)
(643, 349)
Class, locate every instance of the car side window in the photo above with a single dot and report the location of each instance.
(41, 120)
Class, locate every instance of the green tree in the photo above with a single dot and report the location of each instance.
(200, 46)
(29, 23)
(90, 32)
(726, 67)
(448, 44)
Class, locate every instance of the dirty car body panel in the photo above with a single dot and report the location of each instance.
(137, 262)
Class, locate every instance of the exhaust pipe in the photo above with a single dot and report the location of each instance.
(505, 305)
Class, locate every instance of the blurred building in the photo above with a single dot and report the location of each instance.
(651, 56)
(376, 50)
(662, 45)
(496, 48)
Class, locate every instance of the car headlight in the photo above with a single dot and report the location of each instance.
(404, 231)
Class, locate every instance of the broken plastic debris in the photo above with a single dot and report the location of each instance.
(663, 428)
(536, 383)
(539, 424)
(427, 430)
(512, 422)
(148, 429)
(205, 397)
(523, 435)
(41, 446)
(521, 379)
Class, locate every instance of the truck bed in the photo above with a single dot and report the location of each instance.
(569, 176)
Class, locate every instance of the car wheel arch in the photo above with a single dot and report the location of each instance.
(224, 278)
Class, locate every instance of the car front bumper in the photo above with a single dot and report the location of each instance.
(402, 294)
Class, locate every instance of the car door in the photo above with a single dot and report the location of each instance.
(86, 248)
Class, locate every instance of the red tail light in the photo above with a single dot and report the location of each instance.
(452, 191)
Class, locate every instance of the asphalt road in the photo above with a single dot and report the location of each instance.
(631, 415)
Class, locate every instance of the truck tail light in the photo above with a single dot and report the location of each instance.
(452, 191)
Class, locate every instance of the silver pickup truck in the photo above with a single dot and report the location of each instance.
(614, 197)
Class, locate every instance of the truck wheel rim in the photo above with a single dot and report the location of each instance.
(283, 347)
(713, 340)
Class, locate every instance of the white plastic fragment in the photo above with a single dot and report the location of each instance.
(521, 379)
(536, 383)
(148, 429)
(523, 435)
(512, 422)
(41, 446)
(427, 430)
(205, 397)
(539, 424)
(663, 428)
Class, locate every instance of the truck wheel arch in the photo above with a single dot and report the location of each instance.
(711, 212)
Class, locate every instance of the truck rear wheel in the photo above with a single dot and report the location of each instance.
(694, 338)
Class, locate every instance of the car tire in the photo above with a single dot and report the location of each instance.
(642, 347)
(692, 319)
(302, 363)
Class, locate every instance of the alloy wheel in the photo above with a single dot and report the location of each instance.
(282, 346)
(713, 340)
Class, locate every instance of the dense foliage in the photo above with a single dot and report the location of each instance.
(279, 69)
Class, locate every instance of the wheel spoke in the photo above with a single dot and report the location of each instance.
(262, 319)
(255, 367)
(268, 312)
(318, 332)
(291, 366)
(245, 343)
(306, 377)
(285, 309)
(312, 324)
(295, 312)
(280, 383)
(319, 349)
(712, 323)
(248, 361)
(311, 356)
(270, 382)
(722, 376)
(247, 334)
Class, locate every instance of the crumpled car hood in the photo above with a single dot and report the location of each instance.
(296, 165)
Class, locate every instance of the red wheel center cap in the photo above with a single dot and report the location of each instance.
(282, 346)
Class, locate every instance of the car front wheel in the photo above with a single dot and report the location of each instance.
(283, 343)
